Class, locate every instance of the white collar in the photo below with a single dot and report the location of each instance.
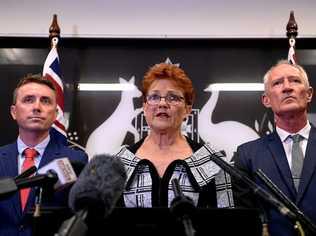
(40, 147)
(304, 132)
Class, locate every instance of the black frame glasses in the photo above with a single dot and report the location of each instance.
(171, 99)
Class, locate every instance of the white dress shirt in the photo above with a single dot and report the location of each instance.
(288, 142)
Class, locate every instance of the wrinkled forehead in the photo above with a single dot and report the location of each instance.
(285, 70)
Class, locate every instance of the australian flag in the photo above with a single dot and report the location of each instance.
(51, 71)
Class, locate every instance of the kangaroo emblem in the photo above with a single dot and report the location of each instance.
(109, 136)
(226, 135)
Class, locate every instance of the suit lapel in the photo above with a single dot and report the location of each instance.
(51, 152)
(9, 166)
(309, 165)
(279, 156)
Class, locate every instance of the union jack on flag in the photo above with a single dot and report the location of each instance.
(52, 72)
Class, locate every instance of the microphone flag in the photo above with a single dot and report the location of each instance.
(63, 168)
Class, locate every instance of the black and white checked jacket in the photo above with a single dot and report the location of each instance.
(199, 178)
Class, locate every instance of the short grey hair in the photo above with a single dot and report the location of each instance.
(286, 62)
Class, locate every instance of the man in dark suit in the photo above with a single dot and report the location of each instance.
(34, 109)
(288, 94)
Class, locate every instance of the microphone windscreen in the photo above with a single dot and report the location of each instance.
(99, 185)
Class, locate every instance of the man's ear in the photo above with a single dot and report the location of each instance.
(265, 100)
(13, 112)
(310, 92)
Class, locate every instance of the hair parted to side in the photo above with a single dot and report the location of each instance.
(286, 62)
(169, 72)
(33, 78)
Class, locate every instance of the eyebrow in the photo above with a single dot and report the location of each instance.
(33, 96)
(168, 92)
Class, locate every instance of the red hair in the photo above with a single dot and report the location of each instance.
(169, 72)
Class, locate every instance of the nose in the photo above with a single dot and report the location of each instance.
(163, 101)
(287, 86)
(37, 106)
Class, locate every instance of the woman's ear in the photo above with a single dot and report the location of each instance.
(145, 108)
(188, 110)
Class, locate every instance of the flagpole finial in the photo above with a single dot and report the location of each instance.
(54, 30)
(291, 27)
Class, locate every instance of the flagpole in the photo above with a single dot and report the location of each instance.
(54, 36)
(52, 72)
(291, 33)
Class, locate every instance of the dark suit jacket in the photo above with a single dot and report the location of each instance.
(13, 221)
(267, 153)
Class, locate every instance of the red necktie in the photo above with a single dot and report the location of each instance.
(29, 154)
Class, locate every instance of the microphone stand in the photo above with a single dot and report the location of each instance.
(216, 157)
(282, 197)
(37, 211)
(74, 226)
(38, 202)
(182, 207)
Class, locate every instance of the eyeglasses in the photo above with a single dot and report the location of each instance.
(171, 99)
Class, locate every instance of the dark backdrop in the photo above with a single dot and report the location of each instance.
(105, 60)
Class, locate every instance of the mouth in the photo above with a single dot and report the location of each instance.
(162, 115)
(288, 98)
(36, 118)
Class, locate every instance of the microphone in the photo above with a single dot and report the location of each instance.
(96, 192)
(8, 185)
(43, 180)
(28, 172)
(217, 158)
(63, 168)
(58, 172)
(182, 207)
(67, 172)
(285, 200)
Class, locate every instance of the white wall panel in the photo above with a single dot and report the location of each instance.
(157, 19)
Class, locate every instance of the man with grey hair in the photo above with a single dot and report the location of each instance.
(287, 155)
